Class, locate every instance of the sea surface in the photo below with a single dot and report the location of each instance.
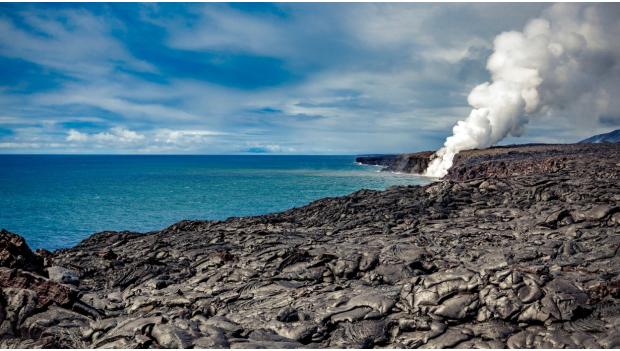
(55, 201)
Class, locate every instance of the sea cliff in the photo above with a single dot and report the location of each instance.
(516, 247)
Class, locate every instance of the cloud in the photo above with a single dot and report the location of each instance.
(610, 120)
(120, 101)
(184, 137)
(75, 42)
(113, 136)
(12, 145)
(74, 135)
(223, 28)
(161, 140)
(219, 78)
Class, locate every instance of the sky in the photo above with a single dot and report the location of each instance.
(248, 78)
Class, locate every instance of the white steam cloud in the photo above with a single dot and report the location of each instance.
(568, 55)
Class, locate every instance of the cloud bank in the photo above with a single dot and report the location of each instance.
(237, 78)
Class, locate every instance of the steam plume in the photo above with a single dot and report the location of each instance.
(568, 53)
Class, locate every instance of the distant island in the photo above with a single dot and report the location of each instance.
(516, 247)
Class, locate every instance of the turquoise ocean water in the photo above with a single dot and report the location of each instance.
(55, 201)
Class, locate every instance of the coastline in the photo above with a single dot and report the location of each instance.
(516, 247)
(57, 203)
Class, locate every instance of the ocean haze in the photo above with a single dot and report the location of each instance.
(55, 201)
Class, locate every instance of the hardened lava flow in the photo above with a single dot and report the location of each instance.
(516, 247)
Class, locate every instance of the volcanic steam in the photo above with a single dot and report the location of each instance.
(568, 54)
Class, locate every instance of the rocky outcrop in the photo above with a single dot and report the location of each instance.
(415, 163)
(526, 259)
(15, 253)
(506, 161)
(497, 161)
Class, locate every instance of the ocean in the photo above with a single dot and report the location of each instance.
(55, 201)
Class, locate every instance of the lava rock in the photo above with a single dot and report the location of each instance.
(15, 253)
(516, 247)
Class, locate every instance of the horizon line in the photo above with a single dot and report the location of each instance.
(155, 154)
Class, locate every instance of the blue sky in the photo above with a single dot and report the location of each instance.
(245, 78)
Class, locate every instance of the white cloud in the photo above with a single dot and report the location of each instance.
(158, 140)
(113, 136)
(74, 135)
(73, 41)
(222, 28)
(11, 145)
(370, 77)
(115, 98)
(181, 137)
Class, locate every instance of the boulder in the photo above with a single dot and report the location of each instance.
(15, 253)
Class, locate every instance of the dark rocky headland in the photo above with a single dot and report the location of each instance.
(517, 247)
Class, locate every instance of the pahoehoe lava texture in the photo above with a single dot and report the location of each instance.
(516, 248)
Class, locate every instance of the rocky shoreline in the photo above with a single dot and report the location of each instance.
(517, 247)
(497, 161)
